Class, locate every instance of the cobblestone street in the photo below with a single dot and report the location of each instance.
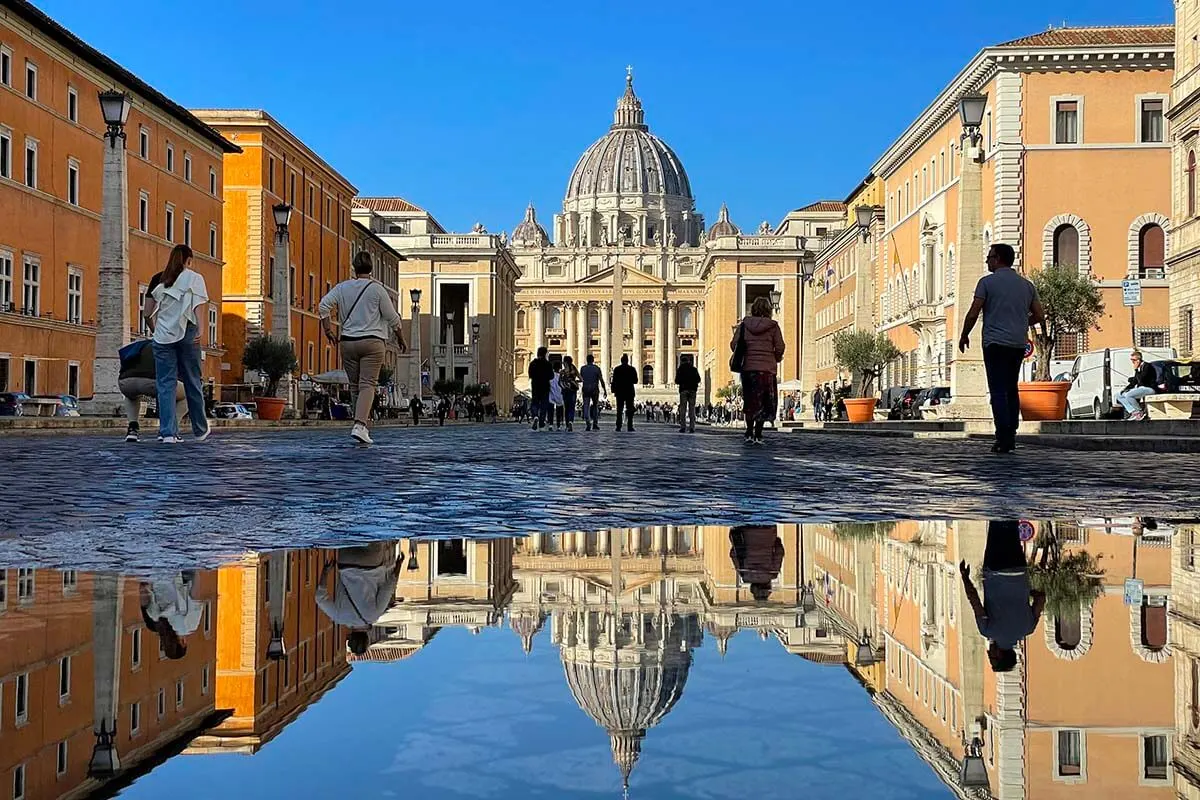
(90, 500)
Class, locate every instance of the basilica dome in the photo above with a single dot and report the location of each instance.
(629, 160)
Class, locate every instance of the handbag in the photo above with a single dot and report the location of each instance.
(738, 360)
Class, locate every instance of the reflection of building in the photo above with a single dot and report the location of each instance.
(268, 608)
(444, 583)
(75, 656)
(1185, 647)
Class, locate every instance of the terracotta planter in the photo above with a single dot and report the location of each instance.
(270, 407)
(860, 409)
(1043, 401)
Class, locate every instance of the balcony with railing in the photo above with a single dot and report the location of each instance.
(462, 352)
(922, 314)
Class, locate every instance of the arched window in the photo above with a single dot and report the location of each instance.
(1066, 246)
(594, 319)
(556, 318)
(687, 319)
(647, 319)
(1068, 629)
(1154, 625)
(648, 375)
(1191, 183)
(521, 320)
(1152, 251)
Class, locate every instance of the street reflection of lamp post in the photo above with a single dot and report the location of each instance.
(974, 772)
(865, 654)
(415, 296)
(412, 556)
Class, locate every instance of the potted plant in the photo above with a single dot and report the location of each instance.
(864, 355)
(273, 359)
(1073, 304)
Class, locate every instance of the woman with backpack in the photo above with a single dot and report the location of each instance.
(568, 381)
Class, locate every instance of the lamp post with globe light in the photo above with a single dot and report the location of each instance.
(414, 295)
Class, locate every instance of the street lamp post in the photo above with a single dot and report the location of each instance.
(281, 300)
(475, 351)
(113, 314)
(415, 349)
(450, 350)
(808, 267)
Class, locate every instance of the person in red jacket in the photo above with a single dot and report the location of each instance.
(764, 351)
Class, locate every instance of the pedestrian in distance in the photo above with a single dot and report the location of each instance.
(170, 313)
(415, 407)
(1010, 306)
(540, 374)
(760, 340)
(367, 317)
(687, 378)
(556, 398)
(818, 404)
(137, 380)
(591, 379)
(1005, 615)
(624, 388)
(568, 382)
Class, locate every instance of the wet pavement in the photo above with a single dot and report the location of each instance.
(94, 502)
(814, 659)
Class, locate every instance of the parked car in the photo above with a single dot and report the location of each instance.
(231, 411)
(905, 405)
(12, 404)
(936, 396)
(65, 405)
(1094, 390)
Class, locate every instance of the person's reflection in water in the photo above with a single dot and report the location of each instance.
(757, 555)
(1006, 615)
(364, 589)
(169, 610)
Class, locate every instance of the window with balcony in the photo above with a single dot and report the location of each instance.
(1151, 122)
(1152, 252)
(31, 288)
(1066, 122)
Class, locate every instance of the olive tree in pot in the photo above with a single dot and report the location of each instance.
(1073, 304)
(273, 359)
(864, 354)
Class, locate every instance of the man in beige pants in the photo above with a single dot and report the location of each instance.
(367, 318)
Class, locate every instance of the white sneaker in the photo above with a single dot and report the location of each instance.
(201, 437)
(170, 440)
(360, 433)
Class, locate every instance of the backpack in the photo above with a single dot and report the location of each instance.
(129, 353)
(1164, 378)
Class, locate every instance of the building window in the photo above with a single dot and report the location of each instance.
(31, 153)
(72, 104)
(187, 167)
(1066, 246)
(270, 174)
(1070, 754)
(1152, 338)
(1066, 122)
(206, 618)
(170, 157)
(5, 153)
(142, 326)
(204, 680)
(212, 239)
(6, 283)
(187, 229)
(1185, 329)
(1152, 251)
(1155, 757)
(292, 190)
(22, 698)
(72, 181)
(143, 212)
(73, 380)
(212, 326)
(135, 649)
(30, 376)
(74, 295)
(162, 703)
(31, 296)
(212, 181)
(169, 224)
(31, 80)
(60, 768)
(64, 678)
(1068, 345)
(5, 66)
(135, 719)
(292, 283)
(179, 693)
(1152, 120)
(19, 782)
(144, 143)
(310, 202)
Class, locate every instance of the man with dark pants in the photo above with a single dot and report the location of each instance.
(541, 372)
(624, 381)
(591, 379)
(687, 378)
(1010, 306)
(1005, 616)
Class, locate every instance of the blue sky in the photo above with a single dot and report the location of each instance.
(474, 108)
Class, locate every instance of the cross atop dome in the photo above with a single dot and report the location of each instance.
(629, 112)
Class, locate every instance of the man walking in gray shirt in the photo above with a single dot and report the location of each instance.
(1010, 305)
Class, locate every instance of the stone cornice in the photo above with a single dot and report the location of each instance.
(46, 323)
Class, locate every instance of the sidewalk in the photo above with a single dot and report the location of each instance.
(1165, 436)
(34, 426)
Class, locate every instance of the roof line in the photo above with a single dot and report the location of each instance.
(44, 24)
(375, 238)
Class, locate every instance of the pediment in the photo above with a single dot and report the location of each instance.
(633, 277)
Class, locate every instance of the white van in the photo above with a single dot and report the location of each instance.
(1094, 390)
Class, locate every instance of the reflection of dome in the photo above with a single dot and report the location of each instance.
(629, 160)
(723, 227)
(529, 233)
(628, 688)
(526, 625)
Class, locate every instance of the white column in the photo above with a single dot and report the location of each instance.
(569, 324)
(672, 343)
(638, 336)
(113, 315)
(705, 396)
(605, 340)
(660, 343)
(583, 336)
(539, 326)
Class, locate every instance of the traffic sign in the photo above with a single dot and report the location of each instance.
(1025, 529)
(1028, 348)
(1134, 589)
(1131, 292)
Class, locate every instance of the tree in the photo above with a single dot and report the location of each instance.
(864, 354)
(1073, 304)
(271, 358)
(730, 391)
(447, 388)
(862, 530)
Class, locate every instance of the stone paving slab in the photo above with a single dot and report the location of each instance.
(88, 501)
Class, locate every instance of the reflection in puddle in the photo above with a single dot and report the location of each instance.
(105, 679)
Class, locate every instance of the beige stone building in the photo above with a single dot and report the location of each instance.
(1183, 256)
(630, 268)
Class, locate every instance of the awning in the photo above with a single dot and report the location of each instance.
(333, 377)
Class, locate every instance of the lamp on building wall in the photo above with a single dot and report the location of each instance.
(115, 107)
(974, 772)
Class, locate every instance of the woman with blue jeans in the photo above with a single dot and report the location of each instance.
(1142, 383)
(171, 315)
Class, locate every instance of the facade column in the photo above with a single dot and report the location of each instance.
(672, 343)
(539, 326)
(583, 338)
(705, 396)
(602, 542)
(660, 539)
(660, 343)
(569, 311)
(639, 335)
(605, 340)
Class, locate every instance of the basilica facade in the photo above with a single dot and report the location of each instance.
(631, 269)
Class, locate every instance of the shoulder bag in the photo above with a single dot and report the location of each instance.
(354, 305)
(738, 360)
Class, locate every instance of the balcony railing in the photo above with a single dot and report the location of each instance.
(926, 313)
(442, 351)
(462, 240)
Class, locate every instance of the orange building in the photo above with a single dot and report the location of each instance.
(51, 166)
(269, 600)
(276, 167)
(52, 674)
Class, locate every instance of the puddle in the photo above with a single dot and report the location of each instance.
(668, 662)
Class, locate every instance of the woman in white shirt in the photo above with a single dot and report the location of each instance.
(170, 313)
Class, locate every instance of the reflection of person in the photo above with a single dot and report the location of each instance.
(364, 588)
(757, 555)
(1005, 616)
(169, 610)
